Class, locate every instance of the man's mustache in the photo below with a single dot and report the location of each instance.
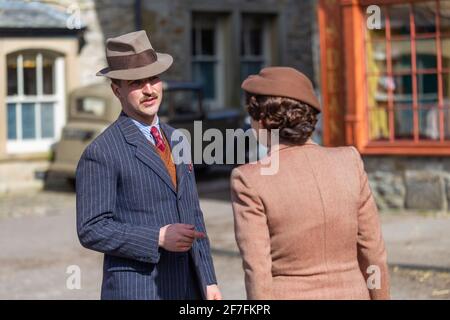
(148, 97)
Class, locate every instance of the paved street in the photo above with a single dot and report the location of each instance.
(38, 242)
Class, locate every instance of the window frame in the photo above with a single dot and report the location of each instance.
(199, 21)
(357, 112)
(247, 21)
(37, 144)
(263, 21)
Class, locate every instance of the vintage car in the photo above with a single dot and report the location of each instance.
(93, 108)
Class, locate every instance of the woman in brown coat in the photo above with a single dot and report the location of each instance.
(311, 229)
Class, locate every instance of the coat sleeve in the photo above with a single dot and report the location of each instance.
(370, 247)
(96, 188)
(252, 237)
(204, 244)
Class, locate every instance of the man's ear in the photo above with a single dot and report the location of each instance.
(115, 89)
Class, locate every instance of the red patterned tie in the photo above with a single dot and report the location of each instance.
(158, 140)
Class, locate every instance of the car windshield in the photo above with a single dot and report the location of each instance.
(90, 106)
(179, 102)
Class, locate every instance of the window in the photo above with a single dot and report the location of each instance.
(35, 94)
(255, 52)
(207, 59)
(408, 74)
(91, 106)
(179, 104)
(254, 45)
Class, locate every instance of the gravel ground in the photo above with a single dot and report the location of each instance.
(38, 242)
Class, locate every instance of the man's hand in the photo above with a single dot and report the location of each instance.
(178, 237)
(213, 292)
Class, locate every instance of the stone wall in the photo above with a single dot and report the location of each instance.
(421, 183)
(90, 12)
(22, 176)
(102, 19)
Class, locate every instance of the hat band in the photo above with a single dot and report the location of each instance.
(133, 60)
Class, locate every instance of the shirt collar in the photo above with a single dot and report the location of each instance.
(145, 129)
(144, 126)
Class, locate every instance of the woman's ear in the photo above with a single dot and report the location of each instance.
(261, 124)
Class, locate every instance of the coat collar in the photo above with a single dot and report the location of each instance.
(285, 145)
(147, 153)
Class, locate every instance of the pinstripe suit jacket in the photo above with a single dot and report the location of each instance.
(124, 196)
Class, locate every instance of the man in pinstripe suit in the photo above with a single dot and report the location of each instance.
(133, 203)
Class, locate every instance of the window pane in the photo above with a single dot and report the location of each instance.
(399, 20)
(403, 89)
(444, 10)
(28, 121)
(427, 89)
(429, 124)
(180, 103)
(445, 44)
(47, 120)
(12, 129)
(243, 41)
(401, 55)
(248, 68)
(424, 17)
(426, 54)
(29, 74)
(378, 89)
(193, 42)
(446, 88)
(208, 47)
(48, 75)
(447, 123)
(379, 122)
(12, 75)
(256, 42)
(403, 123)
(252, 35)
(204, 72)
(376, 56)
(91, 106)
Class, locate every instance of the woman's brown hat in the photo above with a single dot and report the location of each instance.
(131, 57)
(282, 82)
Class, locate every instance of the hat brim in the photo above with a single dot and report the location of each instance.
(163, 62)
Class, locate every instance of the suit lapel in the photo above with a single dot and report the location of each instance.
(145, 152)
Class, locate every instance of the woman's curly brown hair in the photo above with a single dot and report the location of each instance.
(295, 120)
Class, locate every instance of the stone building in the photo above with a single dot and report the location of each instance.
(39, 64)
(217, 43)
(384, 89)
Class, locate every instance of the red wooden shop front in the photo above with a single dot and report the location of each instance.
(386, 90)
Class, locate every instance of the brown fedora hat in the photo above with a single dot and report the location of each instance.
(131, 57)
(282, 82)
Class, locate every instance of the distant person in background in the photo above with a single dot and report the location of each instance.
(134, 203)
(311, 230)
